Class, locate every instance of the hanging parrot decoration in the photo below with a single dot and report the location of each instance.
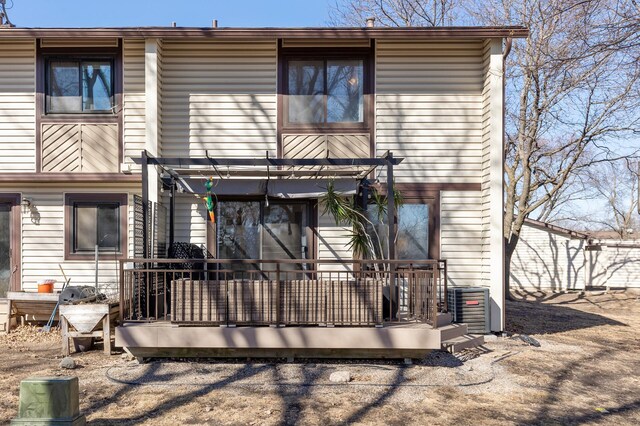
(208, 200)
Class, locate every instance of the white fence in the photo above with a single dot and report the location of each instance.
(550, 259)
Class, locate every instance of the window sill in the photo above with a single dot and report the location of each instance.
(91, 257)
(325, 129)
(79, 118)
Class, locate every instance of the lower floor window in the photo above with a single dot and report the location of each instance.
(413, 233)
(96, 225)
(95, 221)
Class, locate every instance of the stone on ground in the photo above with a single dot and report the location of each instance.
(68, 362)
(340, 377)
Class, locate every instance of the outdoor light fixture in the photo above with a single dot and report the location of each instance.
(26, 204)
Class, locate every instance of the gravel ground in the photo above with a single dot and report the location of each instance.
(584, 372)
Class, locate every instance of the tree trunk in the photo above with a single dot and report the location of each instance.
(509, 249)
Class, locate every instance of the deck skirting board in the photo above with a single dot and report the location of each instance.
(163, 337)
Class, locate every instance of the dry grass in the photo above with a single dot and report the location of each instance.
(589, 360)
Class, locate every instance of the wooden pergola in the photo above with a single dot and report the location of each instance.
(178, 168)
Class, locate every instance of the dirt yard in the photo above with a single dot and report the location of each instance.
(586, 371)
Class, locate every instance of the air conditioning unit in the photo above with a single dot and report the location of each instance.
(470, 305)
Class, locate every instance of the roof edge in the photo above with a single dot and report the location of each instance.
(228, 32)
(558, 229)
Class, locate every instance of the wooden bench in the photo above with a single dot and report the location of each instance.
(29, 306)
(5, 315)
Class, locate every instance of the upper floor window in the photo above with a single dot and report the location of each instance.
(325, 91)
(79, 85)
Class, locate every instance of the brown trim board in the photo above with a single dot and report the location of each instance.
(70, 198)
(433, 33)
(13, 199)
(69, 178)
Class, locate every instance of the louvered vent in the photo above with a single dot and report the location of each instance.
(470, 305)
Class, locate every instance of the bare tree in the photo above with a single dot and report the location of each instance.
(571, 91)
(394, 13)
(617, 184)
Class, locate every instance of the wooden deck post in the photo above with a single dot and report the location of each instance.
(106, 333)
(391, 246)
(64, 325)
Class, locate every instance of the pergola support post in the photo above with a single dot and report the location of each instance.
(391, 246)
(145, 202)
(172, 213)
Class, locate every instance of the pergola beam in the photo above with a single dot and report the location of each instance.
(178, 162)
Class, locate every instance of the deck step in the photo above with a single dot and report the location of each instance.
(443, 318)
(452, 331)
(462, 342)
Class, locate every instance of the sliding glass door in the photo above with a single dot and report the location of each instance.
(254, 230)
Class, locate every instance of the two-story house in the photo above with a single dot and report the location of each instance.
(79, 106)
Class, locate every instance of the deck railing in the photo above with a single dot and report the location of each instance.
(282, 292)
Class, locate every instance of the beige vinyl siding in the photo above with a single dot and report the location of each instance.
(547, 260)
(191, 219)
(461, 237)
(429, 109)
(17, 105)
(133, 98)
(333, 241)
(219, 96)
(43, 238)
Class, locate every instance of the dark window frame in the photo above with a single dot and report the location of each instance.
(324, 54)
(70, 202)
(79, 59)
